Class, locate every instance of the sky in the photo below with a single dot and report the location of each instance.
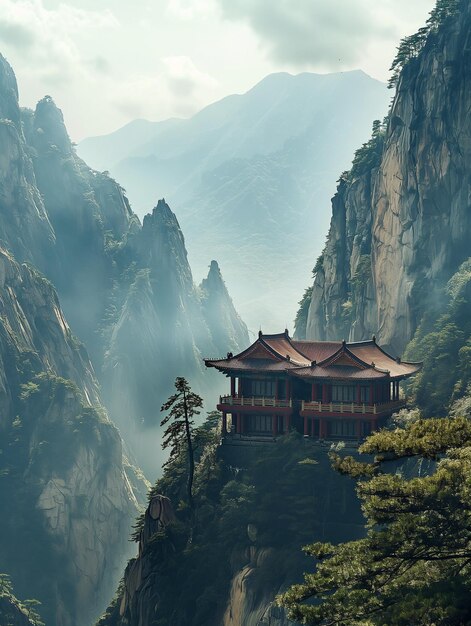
(106, 62)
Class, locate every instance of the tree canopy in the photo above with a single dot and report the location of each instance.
(414, 565)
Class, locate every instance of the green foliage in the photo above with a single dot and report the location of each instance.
(9, 605)
(444, 346)
(319, 263)
(300, 322)
(362, 272)
(411, 46)
(178, 436)
(275, 501)
(414, 565)
(369, 155)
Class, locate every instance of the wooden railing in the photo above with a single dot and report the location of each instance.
(351, 407)
(254, 401)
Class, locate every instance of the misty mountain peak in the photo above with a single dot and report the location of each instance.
(49, 126)
(214, 282)
(9, 108)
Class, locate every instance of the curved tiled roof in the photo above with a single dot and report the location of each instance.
(317, 350)
(362, 360)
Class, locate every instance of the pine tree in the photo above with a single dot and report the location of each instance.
(178, 435)
(414, 565)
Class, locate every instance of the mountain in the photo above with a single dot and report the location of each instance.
(126, 288)
(256, 507)
(397, 264)
(401, 222)
(72, 250)
(249, 176)
(68, 498)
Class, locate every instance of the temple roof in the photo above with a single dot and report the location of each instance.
(361, 360)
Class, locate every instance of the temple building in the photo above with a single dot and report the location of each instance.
(324, 389)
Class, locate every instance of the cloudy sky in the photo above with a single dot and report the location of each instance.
(106, 62)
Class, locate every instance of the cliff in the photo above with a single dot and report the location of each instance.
(165, 325)
(76, 226)
(228, 331)
(255, 508)
(68, 500)
(400, 218)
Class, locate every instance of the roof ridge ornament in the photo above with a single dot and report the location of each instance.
(260, 333)
(374, 338)
(287, 333)
(313, 363)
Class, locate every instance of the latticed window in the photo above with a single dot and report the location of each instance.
(343, 393)
(259, 423)
(342, 428)
(263, 388)
(364, 394)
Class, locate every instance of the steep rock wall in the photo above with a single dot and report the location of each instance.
(70, 505)
(401, 227)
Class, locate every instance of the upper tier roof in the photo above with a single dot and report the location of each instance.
(361, 360)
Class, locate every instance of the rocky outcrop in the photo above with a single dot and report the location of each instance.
(401, 224)
(69, 503)
(166, 325)
(24, 224)
(127, 290)
(228, 331)
(251, 597)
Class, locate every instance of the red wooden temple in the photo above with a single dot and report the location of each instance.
(325, 389)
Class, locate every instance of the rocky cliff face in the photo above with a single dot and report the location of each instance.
(165, 325)
(24, 224)
(401, 223)
(256, 507)
(68, 501)
(220, 314)
(76, 226)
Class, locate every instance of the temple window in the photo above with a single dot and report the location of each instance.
(343, 393)
(263, 388)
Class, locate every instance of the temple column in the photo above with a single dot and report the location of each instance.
(321, 429)
(306, 427)
(324, 394)
(313, 392)
(239, 424)
(288, 423)
(372, 393)
(358, 428)
(233, 386)
(224, 423)
(275, 425)
(288, 390)
(374, 425)
(358, 395)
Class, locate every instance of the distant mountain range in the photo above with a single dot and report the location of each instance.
(248, 177)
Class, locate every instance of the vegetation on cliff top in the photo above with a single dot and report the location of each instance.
(411, 46)
(13, 611)
(414, 565)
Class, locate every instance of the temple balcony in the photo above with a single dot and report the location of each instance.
(226, 403)
(321, 408)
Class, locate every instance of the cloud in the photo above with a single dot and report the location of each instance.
(179, 88)
(190, 9)
(309, 33)
(49, 35)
